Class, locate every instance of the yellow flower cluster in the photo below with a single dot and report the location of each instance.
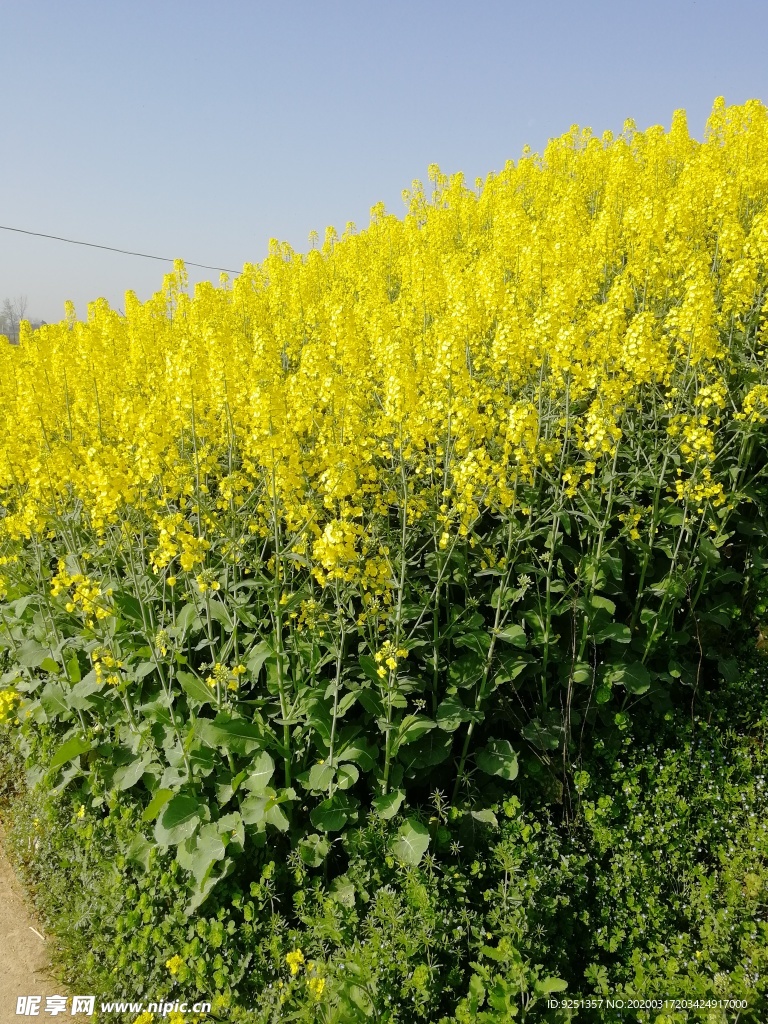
(9, 700)
(103, 659)
(387, 658)
(427, 366)
(225, 677)
(294, 959)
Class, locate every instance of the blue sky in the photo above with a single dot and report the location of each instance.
(202, 130)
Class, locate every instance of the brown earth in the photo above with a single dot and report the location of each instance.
(24, 955)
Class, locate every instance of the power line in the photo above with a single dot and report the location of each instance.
(111, 248)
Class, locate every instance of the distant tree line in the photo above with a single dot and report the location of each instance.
(12, 312)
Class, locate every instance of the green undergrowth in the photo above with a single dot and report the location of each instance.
(656, 886)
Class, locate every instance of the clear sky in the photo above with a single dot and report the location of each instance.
(200, 130)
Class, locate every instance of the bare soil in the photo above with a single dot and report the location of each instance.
(24, 954)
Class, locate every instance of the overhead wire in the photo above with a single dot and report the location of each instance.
(111, 248)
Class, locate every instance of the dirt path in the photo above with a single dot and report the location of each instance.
(24, 959)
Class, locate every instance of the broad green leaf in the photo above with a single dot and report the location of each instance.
(613, 631)
(343, 890)
(80, 695)
(370, 667)
(466, 670)
(210, 883)
(486, 816)
(546, 985)
(514, 635)
(188, 619)
(451, 713)
(138, 852)
(237, 735)
(475, 640)
(232, 823)
(320, 777)
(346, 776)
(178, 821)
(412, 728)
(156, 804)
(582, 672)
(412, 841)
(196, 689)
(54, 700)
(199, 853)
(498, 758)
(331, 815)
(359, 751)
(257, 656)
(261, 771)
(128, 775)
(31, 654)
(73, 670)
(49, 665)
(219, 611)
(635, 678)
(314, 849)
(371, 701)
(253, 807)
(387, 806)
(67, 751)
(275, 815)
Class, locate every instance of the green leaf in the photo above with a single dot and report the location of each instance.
(332, 814)
(320, 777)
(49, 665)
(412, 841)
(54, 700)
(314, 849)
(387, 806)
(514, 635)
(372, 702)
(199, 853)
(466, 670)
(73, 670)
(498, 758)
(237, 735)
(253, 807)
(613, 631)
(476, 640)
(486, 816)
(729, 669)
(67, 751)
(346, 776)
(262, 770)
(544, 986)
(635, 678)
(602, 694)
(138, 852)
(156, 804)
(359, 751)
(412, 728)
(31, 654)
(370, 668)
(605, 603)
(187, 619)
(178, 821)
(220, 613)
(79, 696)
(343, 891)
(129, 774)
(195, 688)
(275, 815)
(451, 713)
